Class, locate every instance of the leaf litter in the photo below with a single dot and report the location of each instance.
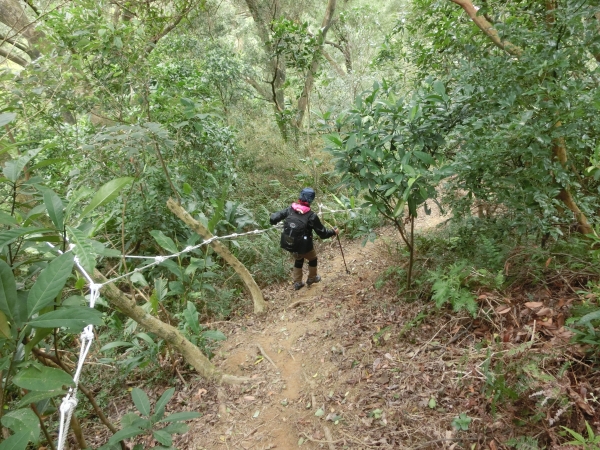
(336, 366)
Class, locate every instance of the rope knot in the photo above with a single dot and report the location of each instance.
(189, 248)
(159, 259)
(87, 334)
(68, 404)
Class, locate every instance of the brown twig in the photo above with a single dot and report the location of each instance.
(298, 303)
(328, 437)
(262, 351)
(317, 441)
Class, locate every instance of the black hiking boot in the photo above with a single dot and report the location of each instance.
(298, 285)
(313, 280)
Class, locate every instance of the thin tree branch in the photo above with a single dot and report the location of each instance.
(488, 28)
(335, 65)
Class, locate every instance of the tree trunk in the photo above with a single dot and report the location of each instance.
(192, 354)
(15, 18)
(314, 65)
(257, 297)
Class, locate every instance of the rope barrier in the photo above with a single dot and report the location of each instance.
(69, 401)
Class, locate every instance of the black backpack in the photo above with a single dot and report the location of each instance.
(296, 237)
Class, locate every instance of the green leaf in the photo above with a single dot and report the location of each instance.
(16, 441)
(164, 241)
(432, 403)
(163, 437)
(4, 326)
(176, 428)
(595, 315)
(83, 249)
(159, 408)
(48, 162)
(6, 118)
(7, 219)
(23, 420)
(49, 283)
(107, 193)
(40, 334)
(215, 335)
(438, 87)
(115, 344)
(141, 401)
(181, 416)
(125, 433)
(187, 189)
(38, 396)
(427, 159)
(80, 194)
(13, 168)
(8, 294)
(77, 317)
(42, 379)
(9, 236)
(55, 208)
(399, 209)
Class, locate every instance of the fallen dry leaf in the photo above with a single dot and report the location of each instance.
(503, 309)
(534, 305)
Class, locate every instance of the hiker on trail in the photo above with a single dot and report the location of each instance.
(296, 237)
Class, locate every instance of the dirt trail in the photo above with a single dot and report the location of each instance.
(305, 396)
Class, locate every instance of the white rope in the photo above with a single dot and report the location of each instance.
(69, 402)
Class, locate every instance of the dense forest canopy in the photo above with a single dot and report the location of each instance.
(146, 128)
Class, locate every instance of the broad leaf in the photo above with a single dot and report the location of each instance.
(141, 401)
(115, 344)
(7, 219)
(6, 118)
(8, 292)
(123, 434)
(42, 379)
(76, 318)
(159, 408)
(13, 168)
(55, 208)
(164, 241)
(215, 335)
(181, 416)
(83, 249)
(4, 327)
(163, 437)
(9, 236)
(106, 193)
(17, 441)
(23, 420)
(49, 283)
(176, 428)
(38, 396)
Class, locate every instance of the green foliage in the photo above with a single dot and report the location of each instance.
(162, 427)
(461, 422)
(523, 443)
(388, 147)
(449, 287)
(591, 442)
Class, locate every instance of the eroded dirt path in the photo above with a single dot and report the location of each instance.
(323, 353)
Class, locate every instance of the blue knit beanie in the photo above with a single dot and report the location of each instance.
(307, 195)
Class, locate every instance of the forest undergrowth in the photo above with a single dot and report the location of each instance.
(494, 346)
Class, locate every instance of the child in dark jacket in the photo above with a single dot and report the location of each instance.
(305, 249)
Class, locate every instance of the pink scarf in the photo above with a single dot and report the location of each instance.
(301, 208)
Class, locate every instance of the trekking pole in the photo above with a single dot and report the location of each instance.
(338, 239)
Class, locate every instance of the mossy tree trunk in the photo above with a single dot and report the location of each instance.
(259, 302)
